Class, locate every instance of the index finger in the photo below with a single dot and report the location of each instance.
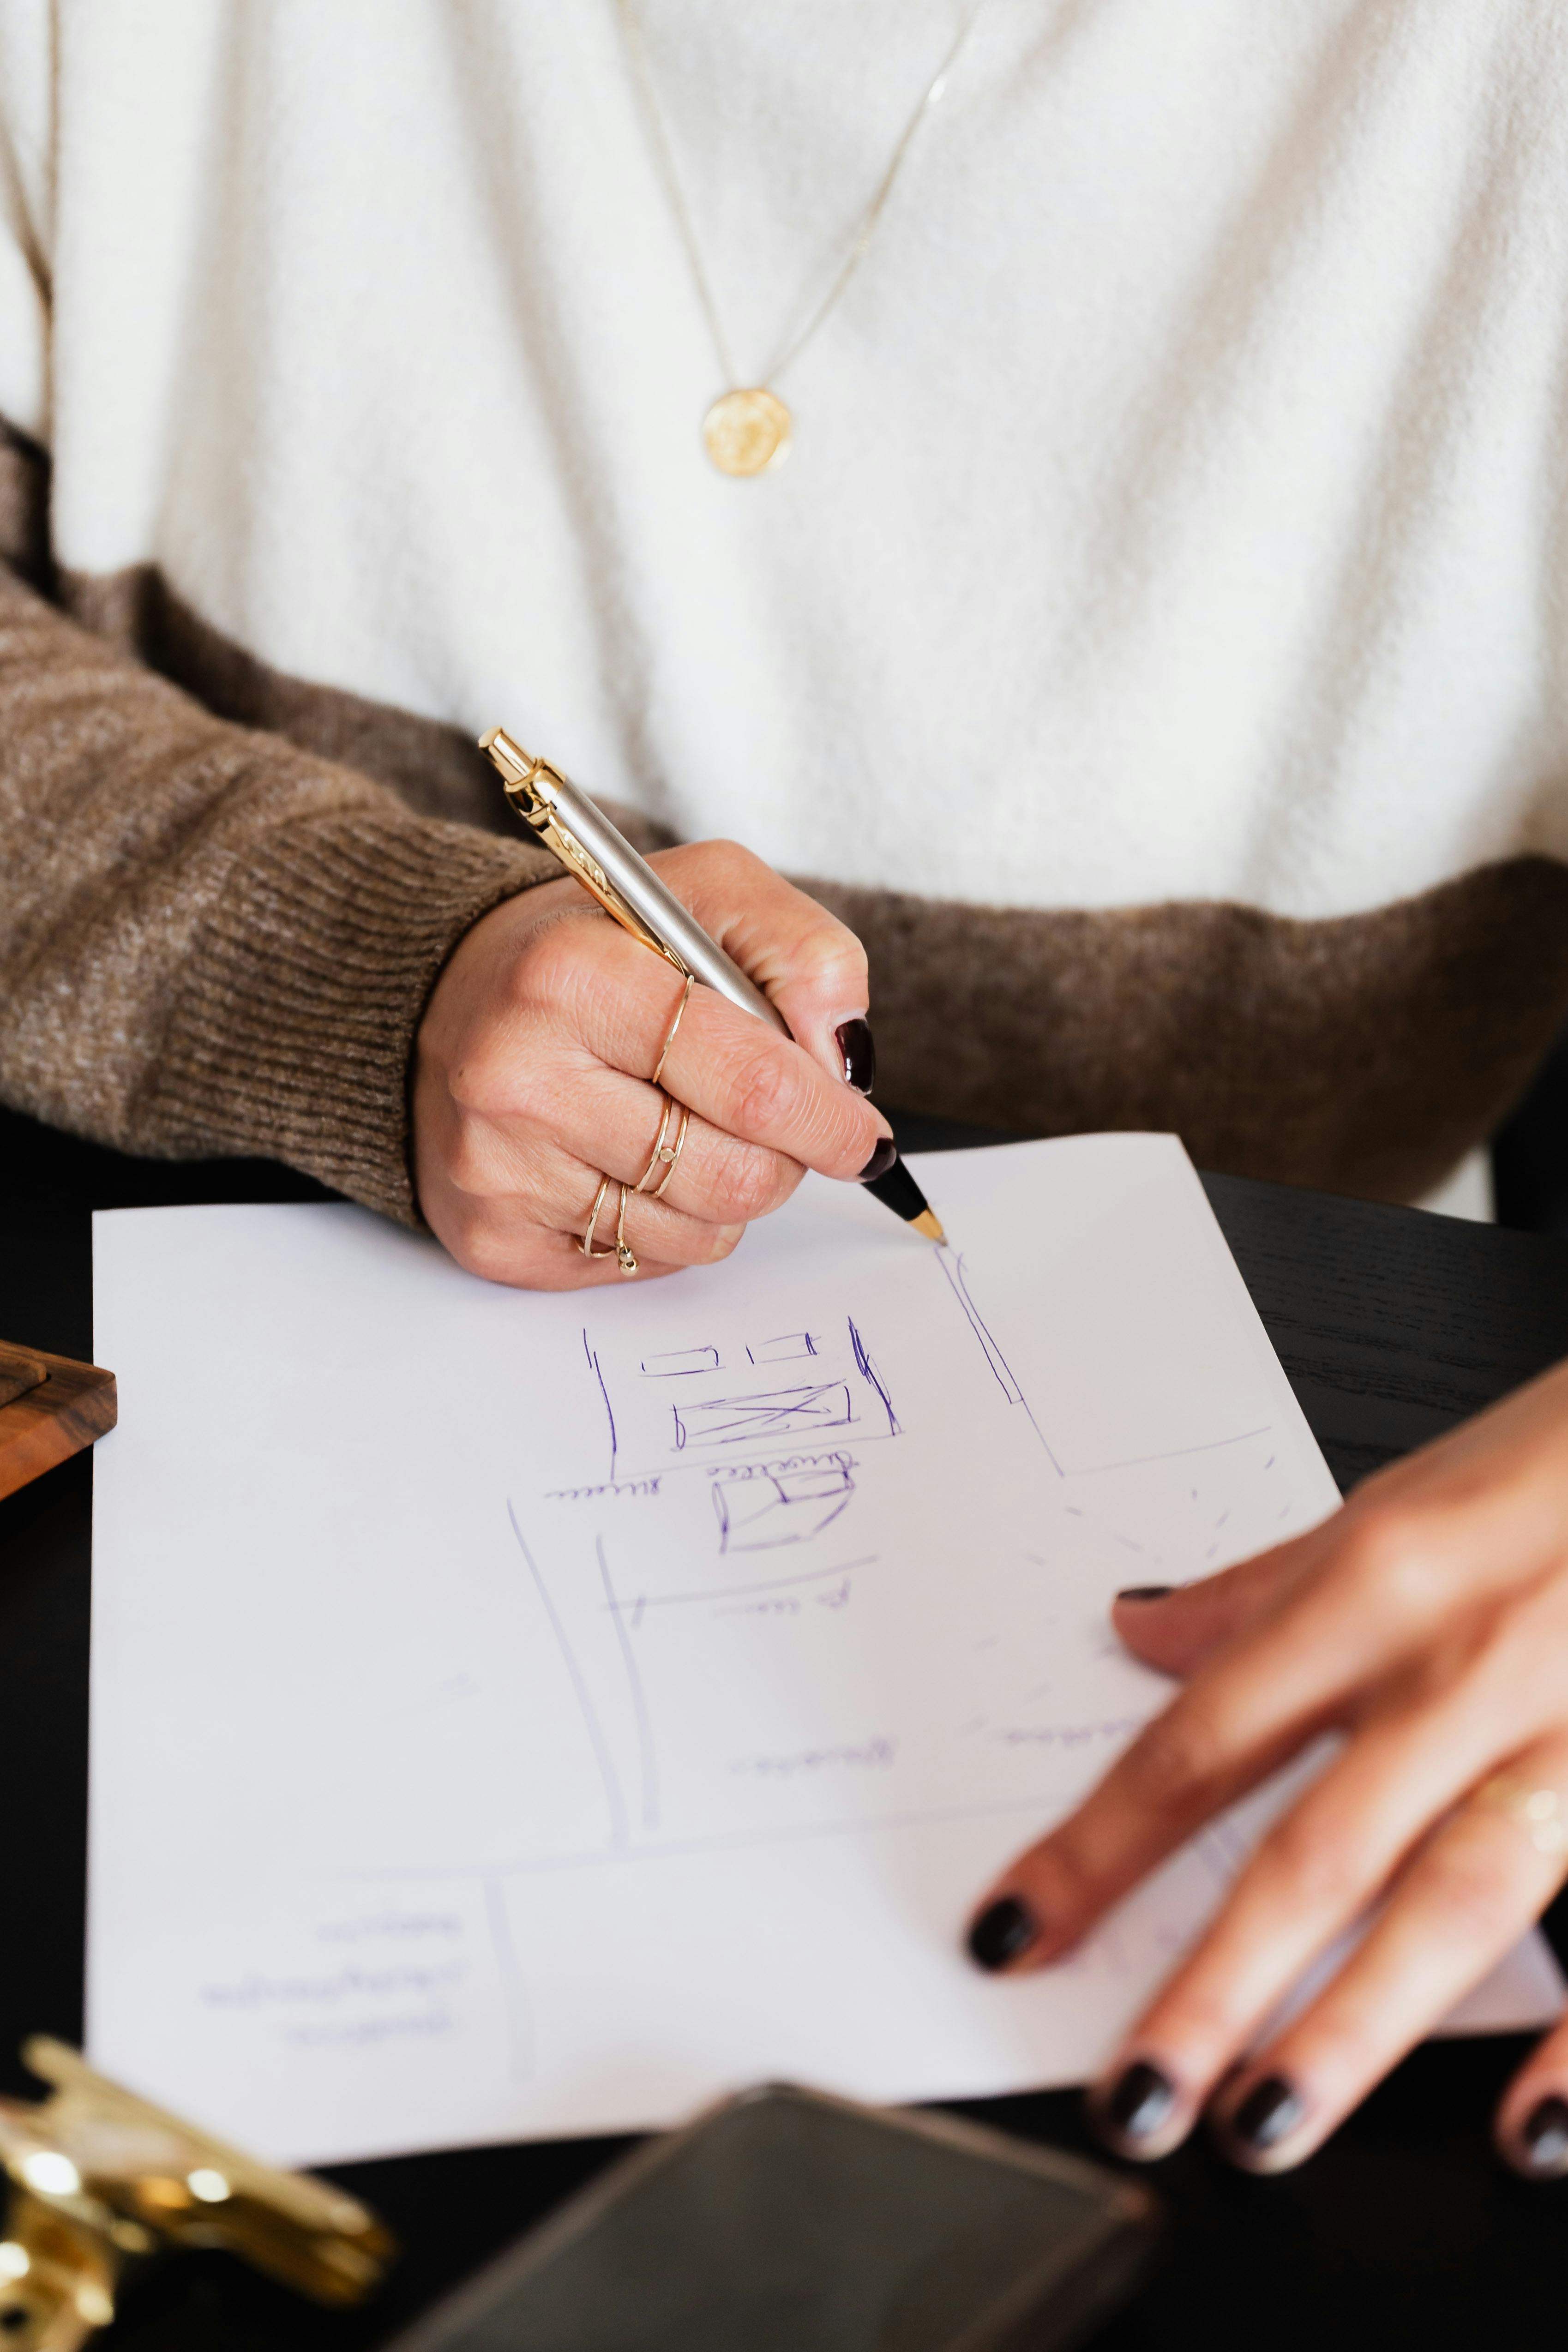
(1245, 1713)
(746, 1079)
(728, 1066)
(804, 960)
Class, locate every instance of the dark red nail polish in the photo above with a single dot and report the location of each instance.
(858, 1049)
(1145, 1592)
(879, 1163)
(1544, 2137)
(1140, 2101)
(1003, 1933)
(1268, 2114)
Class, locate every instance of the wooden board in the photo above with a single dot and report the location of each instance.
(49, 1409)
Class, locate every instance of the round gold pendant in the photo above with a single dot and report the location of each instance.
(747, 432)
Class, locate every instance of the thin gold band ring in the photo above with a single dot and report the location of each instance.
(587, 1243)
(679, 1010)
(1539, 1812)
(672, 1154)
(624, 1251)
(661, 1152)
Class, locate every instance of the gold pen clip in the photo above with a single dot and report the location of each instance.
(100, 2178)
(531, 787)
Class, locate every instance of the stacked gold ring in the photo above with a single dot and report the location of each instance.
(665, 1154)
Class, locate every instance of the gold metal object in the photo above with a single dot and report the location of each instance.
(670, 1039)
(734, 435)
(100, 2178)
(747, 431)
(587, 1243)
(1539, 1812)
(624, 1251)
(530, 786)
(931, 1224)
(660, 1189)
(662, 1154)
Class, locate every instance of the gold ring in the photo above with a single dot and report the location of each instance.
(628, 1264)
(659, 1065)
(673, 1155)
(661, 1151)
(587, 1243)
(1539, 1812)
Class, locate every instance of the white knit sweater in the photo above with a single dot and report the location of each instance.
(1177, 507)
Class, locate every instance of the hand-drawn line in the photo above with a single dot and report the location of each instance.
(1001, 1369)
(601, 1756)
(761, 1514)
(867, 1372)
(596, 1494)
(781, 1466)
(789, 1348)
(717, 1842)
(514, 1991)
(609, 1409)
(739, 1421)
(677, 1364)
(646, 1751)
(1177, 1452)
(729, 1592)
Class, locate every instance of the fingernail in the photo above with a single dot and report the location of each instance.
(1141, 2100)
(1003, 1933)
(1545, 2136)
(859, 1050)
(879, 1163)
(1145, 1592)
(1269, 2112)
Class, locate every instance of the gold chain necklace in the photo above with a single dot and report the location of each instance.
(747, 430)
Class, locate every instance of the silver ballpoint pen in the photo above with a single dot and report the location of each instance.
(627, 887)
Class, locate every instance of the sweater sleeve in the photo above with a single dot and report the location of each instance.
(212, 942)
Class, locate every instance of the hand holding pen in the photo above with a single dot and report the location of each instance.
(535, 1064)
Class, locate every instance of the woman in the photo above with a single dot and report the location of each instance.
(1150, 654)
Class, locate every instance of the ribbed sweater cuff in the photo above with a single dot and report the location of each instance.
(290, 1034)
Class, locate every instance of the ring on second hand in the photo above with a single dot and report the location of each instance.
(1539, 1812)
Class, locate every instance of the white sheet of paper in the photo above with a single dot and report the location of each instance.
(518, 1715)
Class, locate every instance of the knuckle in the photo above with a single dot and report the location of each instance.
(473, 1163)
(1180, 1756)
(1313, 1862)
(1391, 1562)
(1471, 1884)
(481, 1248)
(753, 1185)
(766, 1091)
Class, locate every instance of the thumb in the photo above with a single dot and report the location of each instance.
(1176, 1627)
(810, 965)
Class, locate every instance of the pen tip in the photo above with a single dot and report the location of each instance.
(929, 1223)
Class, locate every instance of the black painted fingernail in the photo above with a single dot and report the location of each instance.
(1144, 1592)
(1545, 2136)
(859, 1050)
(1269, 2113)
(1140, 2101)
(1003, 1933)
(879, 1163)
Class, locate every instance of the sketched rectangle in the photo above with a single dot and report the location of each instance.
(762, 1420)
(679, 1363)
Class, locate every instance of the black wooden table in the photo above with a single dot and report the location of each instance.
(1405, 2229)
